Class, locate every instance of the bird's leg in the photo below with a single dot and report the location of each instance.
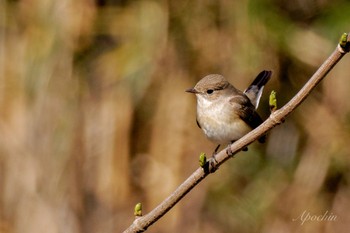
(212, 161)
(215, 152)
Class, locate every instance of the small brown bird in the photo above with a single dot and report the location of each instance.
(225, 113)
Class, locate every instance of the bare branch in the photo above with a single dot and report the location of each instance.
(277, 117)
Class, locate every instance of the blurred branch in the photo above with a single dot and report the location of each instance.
(277, 117)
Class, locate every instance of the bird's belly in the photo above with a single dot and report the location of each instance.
(221, 129)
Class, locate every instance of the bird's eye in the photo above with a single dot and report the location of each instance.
(210, 91)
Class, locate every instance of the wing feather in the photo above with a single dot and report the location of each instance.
(246, 111)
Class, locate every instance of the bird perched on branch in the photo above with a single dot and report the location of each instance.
(225, 113)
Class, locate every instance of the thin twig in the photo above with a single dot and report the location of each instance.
(277, 117)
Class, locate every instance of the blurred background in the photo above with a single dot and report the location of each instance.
(94, 117)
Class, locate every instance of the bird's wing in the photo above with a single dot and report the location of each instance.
(246, 111)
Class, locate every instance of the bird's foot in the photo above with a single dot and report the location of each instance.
(215, 152)
(229, 151)
(211, 163)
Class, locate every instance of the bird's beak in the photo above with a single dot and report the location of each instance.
(192, 90)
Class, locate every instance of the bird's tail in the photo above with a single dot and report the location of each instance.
(254, 91)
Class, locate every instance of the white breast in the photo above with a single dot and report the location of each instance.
(218, 121)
